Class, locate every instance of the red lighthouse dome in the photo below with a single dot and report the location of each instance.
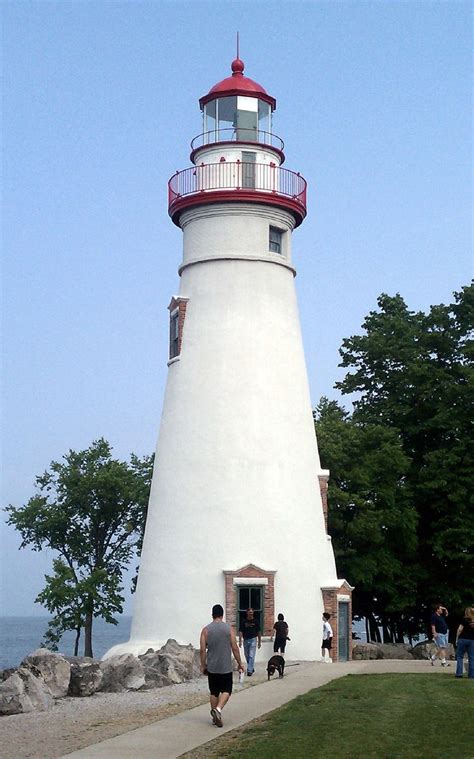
(238, 84)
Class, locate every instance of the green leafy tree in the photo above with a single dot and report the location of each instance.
(90, 508)
(414, 374)
(371, 521)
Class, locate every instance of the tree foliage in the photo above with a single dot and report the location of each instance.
(413, 374)
(371, 521)
(90, 508)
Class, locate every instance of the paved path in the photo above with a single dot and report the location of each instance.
(170, 738)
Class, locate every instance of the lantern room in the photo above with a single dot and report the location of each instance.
(237, 109)
(246, 119)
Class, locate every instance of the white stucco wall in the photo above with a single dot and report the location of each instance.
(234, 230)
(236, 472)
(233, 152)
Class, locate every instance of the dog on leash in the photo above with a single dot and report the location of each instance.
(276, 664)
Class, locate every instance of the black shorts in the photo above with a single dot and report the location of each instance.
(327, 644)
(219, 683)
(279, 643)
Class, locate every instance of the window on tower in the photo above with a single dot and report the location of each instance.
(174, 334)
(177, 309)
(276, 240)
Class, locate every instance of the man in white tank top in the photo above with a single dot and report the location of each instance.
(217, 643)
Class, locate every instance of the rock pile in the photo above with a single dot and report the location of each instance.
(44, 677)
(363, 651)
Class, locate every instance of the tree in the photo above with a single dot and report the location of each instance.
(371, 521)
(90, 508)
(414, 374)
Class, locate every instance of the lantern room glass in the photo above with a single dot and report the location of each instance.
(239, 118)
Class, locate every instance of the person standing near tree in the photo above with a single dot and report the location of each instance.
(250, 632)
(217, 643)
(439, 630)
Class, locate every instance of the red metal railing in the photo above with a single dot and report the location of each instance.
(239, 176)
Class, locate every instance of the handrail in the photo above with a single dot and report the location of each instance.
(237, 134)
(249, 177)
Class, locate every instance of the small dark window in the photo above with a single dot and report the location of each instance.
(276, 239)
(174, 334)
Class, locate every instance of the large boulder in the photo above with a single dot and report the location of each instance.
(53, 668)
(363, 651)
(172, 664)
(187, 657)
(121, 673)
(86, 675)
(24, 691)
(5, 673)
(424, 649)
(394, 650)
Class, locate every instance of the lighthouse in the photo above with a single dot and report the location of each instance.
(237, 505)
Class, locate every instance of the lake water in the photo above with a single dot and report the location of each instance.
(19, 636)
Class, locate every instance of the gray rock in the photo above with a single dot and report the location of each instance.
(5, 673)
(172, 664)
(24, 691)
(363, 651)
(395, 650)
(86, 676)
(187, 654)
(122, 672)
(54, 670)
(426, 647)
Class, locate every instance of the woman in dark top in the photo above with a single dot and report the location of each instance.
(465, 643)
(281, 634)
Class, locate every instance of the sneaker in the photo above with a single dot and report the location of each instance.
(216, 717)
(445, 664)
(432, 659)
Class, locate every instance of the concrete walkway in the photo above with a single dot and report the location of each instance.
(171, 737)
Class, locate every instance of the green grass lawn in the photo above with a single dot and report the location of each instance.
(385, 716)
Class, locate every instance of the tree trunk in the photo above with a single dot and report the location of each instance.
(374, 630)
(88, 634)
(386, 632)
(400, 636)
(367, 630)
(76, 644)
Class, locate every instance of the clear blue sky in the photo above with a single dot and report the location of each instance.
(100, 98)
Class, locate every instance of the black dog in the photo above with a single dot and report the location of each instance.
(276, 664)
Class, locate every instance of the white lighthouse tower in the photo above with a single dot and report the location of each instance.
(235, 513)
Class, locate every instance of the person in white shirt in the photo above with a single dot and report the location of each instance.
(327, 638)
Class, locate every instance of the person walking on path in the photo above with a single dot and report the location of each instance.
(326, 644)
(250, 632)
(465, 643)
(281, 634)
(217, 643)
(439, 629)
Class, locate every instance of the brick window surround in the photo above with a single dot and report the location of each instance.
(323, 478)
(250, 575)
